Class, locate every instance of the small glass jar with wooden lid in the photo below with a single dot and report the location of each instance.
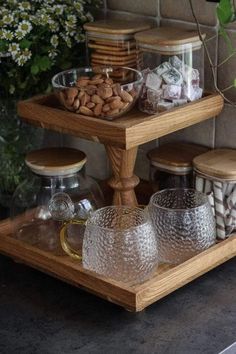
(172, 62)
(171, 165)
(111, 42)
(56, 190)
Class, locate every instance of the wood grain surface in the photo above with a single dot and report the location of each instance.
(131, 130)
(134, 298)
(220, 163)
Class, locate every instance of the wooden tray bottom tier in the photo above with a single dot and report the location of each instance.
(134, 298)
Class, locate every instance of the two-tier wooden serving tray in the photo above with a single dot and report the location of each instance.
(121, 139)
(133, 298)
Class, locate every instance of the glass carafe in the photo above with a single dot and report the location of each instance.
(56, 190)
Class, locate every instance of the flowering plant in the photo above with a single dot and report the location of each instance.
(36, 38)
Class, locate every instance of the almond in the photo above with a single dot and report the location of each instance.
(105, 92)
(90, 105)
(109, 81)
(71, 94)
(116, 103)
(82, 82)
(96, 81)
(97, 99)
(125, 105)
(81, 93)
(97, 76)
(76, 104)
(110, 99)
(86, 111)
(126, 96)
(106, 108)
(113, 112)
(116, 89)
(85, 99)
(98, 110)
(91, 89)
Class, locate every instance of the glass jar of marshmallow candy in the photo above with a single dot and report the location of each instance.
(173, 68)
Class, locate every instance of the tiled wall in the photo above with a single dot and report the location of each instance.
(216, 132)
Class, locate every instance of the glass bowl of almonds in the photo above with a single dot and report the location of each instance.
(102, 92)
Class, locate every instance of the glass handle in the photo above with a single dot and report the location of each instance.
(63, 238)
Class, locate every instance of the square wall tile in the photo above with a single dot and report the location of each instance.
(129, 16)
(97, 164)
(147, 7)
(227, 71)
(226, 128)
(212, 47)
(202, 133)
(180, 10)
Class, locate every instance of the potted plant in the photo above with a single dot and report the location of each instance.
(37, 39)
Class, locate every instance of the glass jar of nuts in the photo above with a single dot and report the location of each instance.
(96, 92)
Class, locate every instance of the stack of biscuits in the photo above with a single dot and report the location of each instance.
(112, 43)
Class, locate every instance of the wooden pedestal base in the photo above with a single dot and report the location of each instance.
(123, 181)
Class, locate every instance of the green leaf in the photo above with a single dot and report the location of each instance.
(25, 43)
(34, 69)
(225, 12)
(44, 63)
(227, 39)
(234, 82)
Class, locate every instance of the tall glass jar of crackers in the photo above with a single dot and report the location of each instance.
(112, 43)
(172, 63)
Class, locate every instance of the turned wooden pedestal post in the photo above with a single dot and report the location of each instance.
(123, 181)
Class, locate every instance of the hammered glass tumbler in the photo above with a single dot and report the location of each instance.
(120, 243)
(184, 224)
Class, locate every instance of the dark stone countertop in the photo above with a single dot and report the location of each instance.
(42, 315)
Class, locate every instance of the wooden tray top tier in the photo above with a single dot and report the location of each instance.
(176, 154)
(129, 131)
(116, 27)
(219, 163)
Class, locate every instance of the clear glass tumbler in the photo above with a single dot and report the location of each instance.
(184, 224)
(119, 243)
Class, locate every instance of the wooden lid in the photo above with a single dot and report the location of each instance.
(178, 155)
(55, 161)
(116, 26)
(220, 163)
(167, 36)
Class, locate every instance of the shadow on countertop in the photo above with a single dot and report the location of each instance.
(40, 314)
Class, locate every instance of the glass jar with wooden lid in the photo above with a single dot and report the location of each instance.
(172, 61)
(171, 165)
(56, 190)
(111, 42)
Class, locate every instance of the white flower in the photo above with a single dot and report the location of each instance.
(19, 34)
(22, 58)
(7, 19)
(25, 27)
(13, 49)
(8, 35)
(54, 40)
(52, 53)
(89, 17)
(58, 9)
(25, 5)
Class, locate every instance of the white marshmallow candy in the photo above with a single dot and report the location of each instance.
(171, 92)
(192, 93)
(173, 77)
(154, 96)
(153, 81)
(179, 102)
(164, 106)
(162, 68)
(189, 74)
(176, 62)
